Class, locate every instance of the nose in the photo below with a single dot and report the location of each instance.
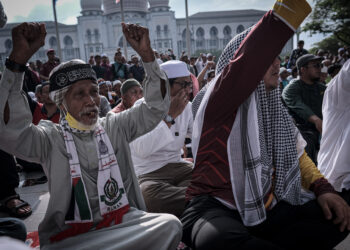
(89, 100)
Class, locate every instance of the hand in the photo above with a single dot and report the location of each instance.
(138, 38)
(318, 125)
(178, 103)
(27, 38)
(317, 121)
(333, 202)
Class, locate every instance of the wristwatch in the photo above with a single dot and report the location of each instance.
(13, 66)
(168, 118)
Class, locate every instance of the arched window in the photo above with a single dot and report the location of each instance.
(158, 30)
(227, 31)
(213, 32)
(200, 33)
(214, 41)
(184, 38)
(53, 42)
(68, 42)
(97, 35)
(88, 35)
(240, 29)
(227, 34)
(8, 45)
(200, 38)
(166, 30)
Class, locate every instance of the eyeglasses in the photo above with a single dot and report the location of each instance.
(185, 84)
(315, 65)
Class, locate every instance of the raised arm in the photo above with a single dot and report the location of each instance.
(256, 53)
(140, 119)
(18, 135)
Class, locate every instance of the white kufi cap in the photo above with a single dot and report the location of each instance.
(175, 68)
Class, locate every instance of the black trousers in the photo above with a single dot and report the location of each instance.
(9, 178)
(207, 224)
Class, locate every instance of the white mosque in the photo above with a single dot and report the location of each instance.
(99, 30)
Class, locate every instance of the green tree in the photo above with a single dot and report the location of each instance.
(331, 17)
(331, 44)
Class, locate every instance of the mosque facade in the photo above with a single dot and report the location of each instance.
(99, 29)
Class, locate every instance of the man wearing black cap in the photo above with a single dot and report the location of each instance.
(95, 201)
(49, 65)
(303, 98)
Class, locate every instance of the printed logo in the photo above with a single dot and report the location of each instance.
(112, 193)
(61, 79)
(102, 147)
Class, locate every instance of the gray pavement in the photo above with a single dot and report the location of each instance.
(38, 197)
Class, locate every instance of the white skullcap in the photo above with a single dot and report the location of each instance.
(175, 68)
(283, 69)
(115, 82)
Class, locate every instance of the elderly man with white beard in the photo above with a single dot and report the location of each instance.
(95, 201)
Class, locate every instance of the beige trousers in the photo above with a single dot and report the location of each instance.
(164, 189)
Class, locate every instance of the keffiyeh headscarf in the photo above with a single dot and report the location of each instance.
(262, 151)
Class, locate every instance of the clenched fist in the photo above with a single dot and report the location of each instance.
(138, 38)
(27, 38)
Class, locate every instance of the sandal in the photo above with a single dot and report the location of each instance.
(14, 211)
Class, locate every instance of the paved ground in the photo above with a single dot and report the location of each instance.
(38, 197)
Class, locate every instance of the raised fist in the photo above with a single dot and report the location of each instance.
(27, 38)
(138, 38)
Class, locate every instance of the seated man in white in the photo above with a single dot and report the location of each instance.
(163, 175)
(95, 200)
(334, 154)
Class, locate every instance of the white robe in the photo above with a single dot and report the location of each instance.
(334, 154)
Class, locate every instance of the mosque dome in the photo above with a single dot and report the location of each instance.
(158, 3)
(90, 5)
(110, 6)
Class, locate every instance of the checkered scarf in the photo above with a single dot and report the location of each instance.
(224, 60)
(57, 96)
(113, 200)
(262, 143)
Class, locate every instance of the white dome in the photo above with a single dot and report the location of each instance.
(90, 5)
(158, 3)
(110, 6)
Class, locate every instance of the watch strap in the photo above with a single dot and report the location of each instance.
(168, 118)
(13, 66)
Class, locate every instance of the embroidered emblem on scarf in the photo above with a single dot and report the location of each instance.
(113, 200)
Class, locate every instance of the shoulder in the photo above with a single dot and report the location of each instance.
(291, 88)
(294, 84)
(322, 86)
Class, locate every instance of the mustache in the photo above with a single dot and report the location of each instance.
(88, 110)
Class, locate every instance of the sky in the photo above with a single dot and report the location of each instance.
(68, 10)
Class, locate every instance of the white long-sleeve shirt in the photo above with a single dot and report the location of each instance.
(334, 154)
(163, 144)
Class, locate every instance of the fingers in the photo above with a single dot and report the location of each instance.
(133, 31)
(342, 212)
(326, 211)
(335, 203)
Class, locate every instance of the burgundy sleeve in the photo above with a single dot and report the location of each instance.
(243, 74)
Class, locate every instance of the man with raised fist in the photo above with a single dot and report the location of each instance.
(95, 201)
